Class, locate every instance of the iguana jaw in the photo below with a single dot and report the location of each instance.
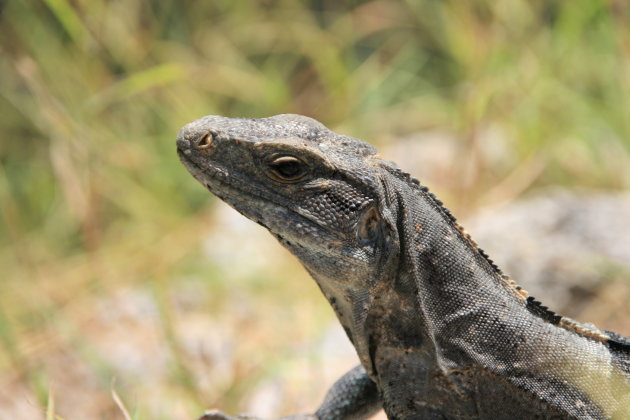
(254, 203)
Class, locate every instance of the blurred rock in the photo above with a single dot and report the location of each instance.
(568, 248)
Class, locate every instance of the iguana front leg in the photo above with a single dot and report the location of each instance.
(353, 397)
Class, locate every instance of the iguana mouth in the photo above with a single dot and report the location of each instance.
(215, 174)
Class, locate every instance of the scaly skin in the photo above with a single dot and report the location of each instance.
(440, 331)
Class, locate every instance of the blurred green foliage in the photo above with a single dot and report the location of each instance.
(92, 196)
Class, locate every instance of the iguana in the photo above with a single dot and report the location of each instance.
(440, 331)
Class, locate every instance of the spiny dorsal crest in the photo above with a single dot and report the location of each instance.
(533, 305)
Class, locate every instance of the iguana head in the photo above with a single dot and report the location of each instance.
(316, 191)
(310, 187)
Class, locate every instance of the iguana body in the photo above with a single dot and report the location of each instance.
(440, 332)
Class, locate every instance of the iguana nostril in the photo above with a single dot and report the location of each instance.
(183, 144)
(205, 141)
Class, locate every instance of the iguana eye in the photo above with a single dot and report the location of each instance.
(288, 169)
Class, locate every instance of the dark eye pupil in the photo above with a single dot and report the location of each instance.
(288, 169)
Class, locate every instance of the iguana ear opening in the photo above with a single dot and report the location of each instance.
(368, 226)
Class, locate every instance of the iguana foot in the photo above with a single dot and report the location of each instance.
(218, 415)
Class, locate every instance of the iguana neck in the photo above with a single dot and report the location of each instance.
(449, 272)
(433, 278)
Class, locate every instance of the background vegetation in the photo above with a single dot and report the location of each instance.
(118, 288)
